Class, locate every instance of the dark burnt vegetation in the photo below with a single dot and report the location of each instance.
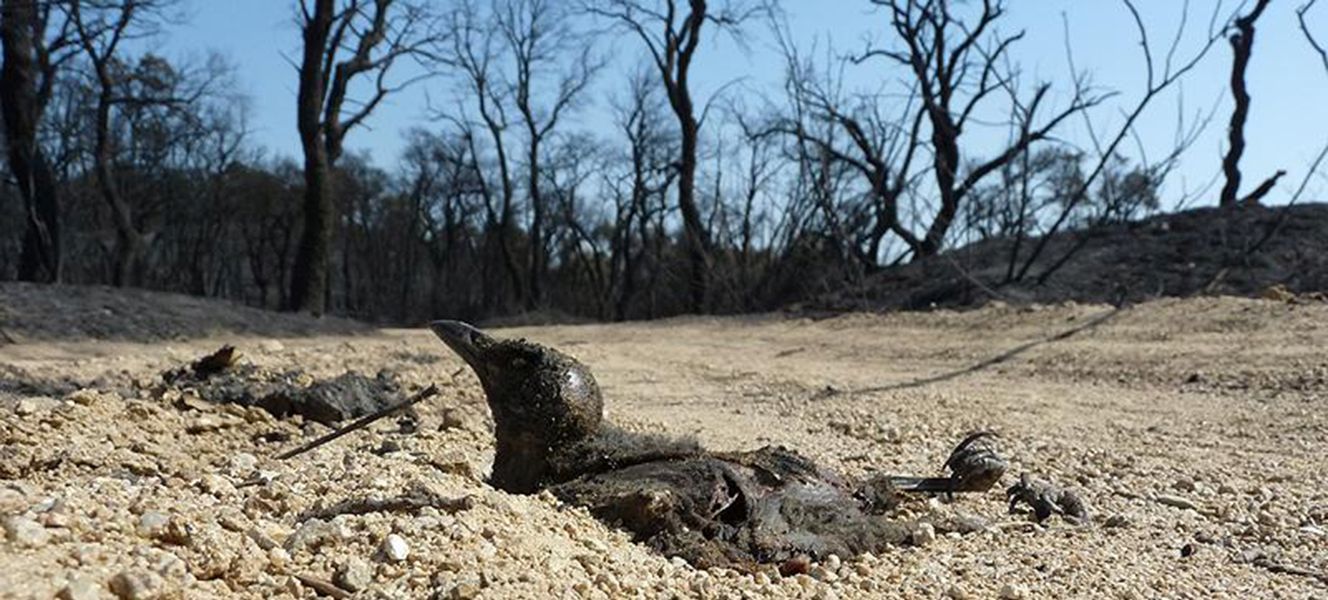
(955, 177)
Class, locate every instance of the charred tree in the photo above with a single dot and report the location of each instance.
(100, 31)
(344, 42)
(1242, 46)
(536, 32)
(955, 66)
(25, 86)
(672, 35)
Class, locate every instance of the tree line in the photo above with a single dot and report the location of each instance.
(134, 169)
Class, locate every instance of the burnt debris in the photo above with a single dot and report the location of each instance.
(221, 378)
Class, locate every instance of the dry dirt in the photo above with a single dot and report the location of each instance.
(1195, 430)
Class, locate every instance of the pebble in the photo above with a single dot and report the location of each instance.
(80, 588)
(203, 424)
(395, 548)
(136, 584)
(924, 534)
(242, 464)
(354, 575)
(1177, 501)
(278, 557)
(216, 485)
(312, 534)
(465, 591)
(1117, 520)
(452, 419)
(832, 562)
(1010, 591)
(25, 532)
(956, 593)
(797, 565)
(152, 524)
(826, 594)
(84, 397)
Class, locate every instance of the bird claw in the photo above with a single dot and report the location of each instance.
(1046, 499)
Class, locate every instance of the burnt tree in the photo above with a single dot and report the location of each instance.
(99, 32)
(955, 65)
(25, 87)
(536, 33)
(1242, 46)
(344, 42)
(671, 33)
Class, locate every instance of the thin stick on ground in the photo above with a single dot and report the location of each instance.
(1286, 569)
(323, 586)
(363, 422)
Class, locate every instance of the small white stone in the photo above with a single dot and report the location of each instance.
(1177, 501)
(25, 532)
(354, 575)
(81, 587)
(278, 556)
(924, 534)
(395, 548)
(833, 562)
(242, 464)
(152, 524)
(1010, 591)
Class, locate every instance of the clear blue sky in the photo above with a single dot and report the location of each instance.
(1287, 127)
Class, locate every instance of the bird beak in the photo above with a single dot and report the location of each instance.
(462, 338)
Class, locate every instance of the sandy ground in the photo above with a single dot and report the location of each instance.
(1195, 430)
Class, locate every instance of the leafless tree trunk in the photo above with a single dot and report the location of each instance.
(536, 32)
(25, 86)
(377, 34)
(672, 35)
(472, 51)
(1242, 46)
(100, 35)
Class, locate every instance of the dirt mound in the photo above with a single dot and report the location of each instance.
(1200, 251)
(31, 312)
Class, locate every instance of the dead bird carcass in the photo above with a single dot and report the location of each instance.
(713, 509)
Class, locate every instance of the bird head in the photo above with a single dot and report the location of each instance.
(536, 393)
